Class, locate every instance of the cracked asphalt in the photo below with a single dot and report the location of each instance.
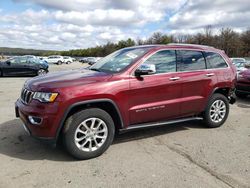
(180, 155)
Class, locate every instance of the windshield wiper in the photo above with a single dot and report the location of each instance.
(95, 69)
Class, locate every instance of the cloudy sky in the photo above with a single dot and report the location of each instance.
(71, 24)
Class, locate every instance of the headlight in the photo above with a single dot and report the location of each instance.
(45, 97)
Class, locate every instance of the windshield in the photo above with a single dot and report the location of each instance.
(240, 64)
(119, 60)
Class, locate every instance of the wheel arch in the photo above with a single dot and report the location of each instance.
(107, 105)
(226, 91)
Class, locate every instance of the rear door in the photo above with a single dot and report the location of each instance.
(196, 81)
(218, 66)
(156, 97)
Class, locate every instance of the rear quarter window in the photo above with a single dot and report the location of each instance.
(215, 61)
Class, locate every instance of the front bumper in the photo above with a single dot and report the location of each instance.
(47, 130)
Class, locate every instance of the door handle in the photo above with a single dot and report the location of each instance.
(209, 74)
(174, 78)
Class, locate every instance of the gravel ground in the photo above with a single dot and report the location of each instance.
(182, 155)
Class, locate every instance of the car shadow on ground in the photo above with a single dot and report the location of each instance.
(243, 102)
(17, 144)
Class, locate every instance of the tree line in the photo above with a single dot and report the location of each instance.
(235, 44)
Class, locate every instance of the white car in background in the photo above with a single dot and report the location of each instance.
(67, 59)
(238, 60)
(55, 59)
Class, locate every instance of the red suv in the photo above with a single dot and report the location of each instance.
(136, 87)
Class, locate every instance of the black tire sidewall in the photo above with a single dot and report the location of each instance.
(78, 118)
(207, 118)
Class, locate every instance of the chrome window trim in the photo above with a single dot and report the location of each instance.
(145, 59)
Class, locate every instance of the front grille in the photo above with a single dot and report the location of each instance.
(26, 95)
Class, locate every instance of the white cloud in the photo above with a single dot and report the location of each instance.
(218, 13)
(57, 24)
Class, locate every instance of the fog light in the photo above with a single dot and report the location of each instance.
(35, 120)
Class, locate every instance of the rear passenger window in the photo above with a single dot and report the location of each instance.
(164, 61)
(215, 60)
(190, 60)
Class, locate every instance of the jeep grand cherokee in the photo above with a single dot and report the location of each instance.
(132, 88)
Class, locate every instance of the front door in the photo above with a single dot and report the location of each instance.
(156, 97)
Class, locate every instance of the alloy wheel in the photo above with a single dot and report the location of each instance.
(218, 111)
(91, 134)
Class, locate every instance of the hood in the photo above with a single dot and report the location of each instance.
(54, 81)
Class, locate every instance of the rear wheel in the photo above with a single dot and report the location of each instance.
(41, 72)
(88, 133)
(216, 111)
(68, 62)
(59, 62)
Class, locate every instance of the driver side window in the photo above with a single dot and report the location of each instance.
(164, 61)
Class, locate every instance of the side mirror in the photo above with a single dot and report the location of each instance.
(8, 62)
(145, 69)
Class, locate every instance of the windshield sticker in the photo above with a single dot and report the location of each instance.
(131, 55)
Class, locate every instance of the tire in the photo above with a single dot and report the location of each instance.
(1, 73)
(59, 63)
(75, 128)
(217, 111)
(240, 95)
(68, 62)
(41, 72)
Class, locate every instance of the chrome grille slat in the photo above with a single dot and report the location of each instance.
(26, 95)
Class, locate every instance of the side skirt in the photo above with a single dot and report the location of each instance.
(157, 124)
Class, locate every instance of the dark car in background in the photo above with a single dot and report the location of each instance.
(243, 82)
(90, 60)
(23, 66)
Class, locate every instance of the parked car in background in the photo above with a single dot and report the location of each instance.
(55, 59)
(240, 65)
(23, 66)
(90, 60)
(82, 60)
(237, 60)
(243, 82)
(67, 59)
(132, 88)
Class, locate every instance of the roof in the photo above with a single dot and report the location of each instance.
(176, 45)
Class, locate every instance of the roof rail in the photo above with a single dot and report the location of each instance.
(194, 45)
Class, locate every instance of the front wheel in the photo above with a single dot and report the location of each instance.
(41, 72)
(88, 133)
(216, 111)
